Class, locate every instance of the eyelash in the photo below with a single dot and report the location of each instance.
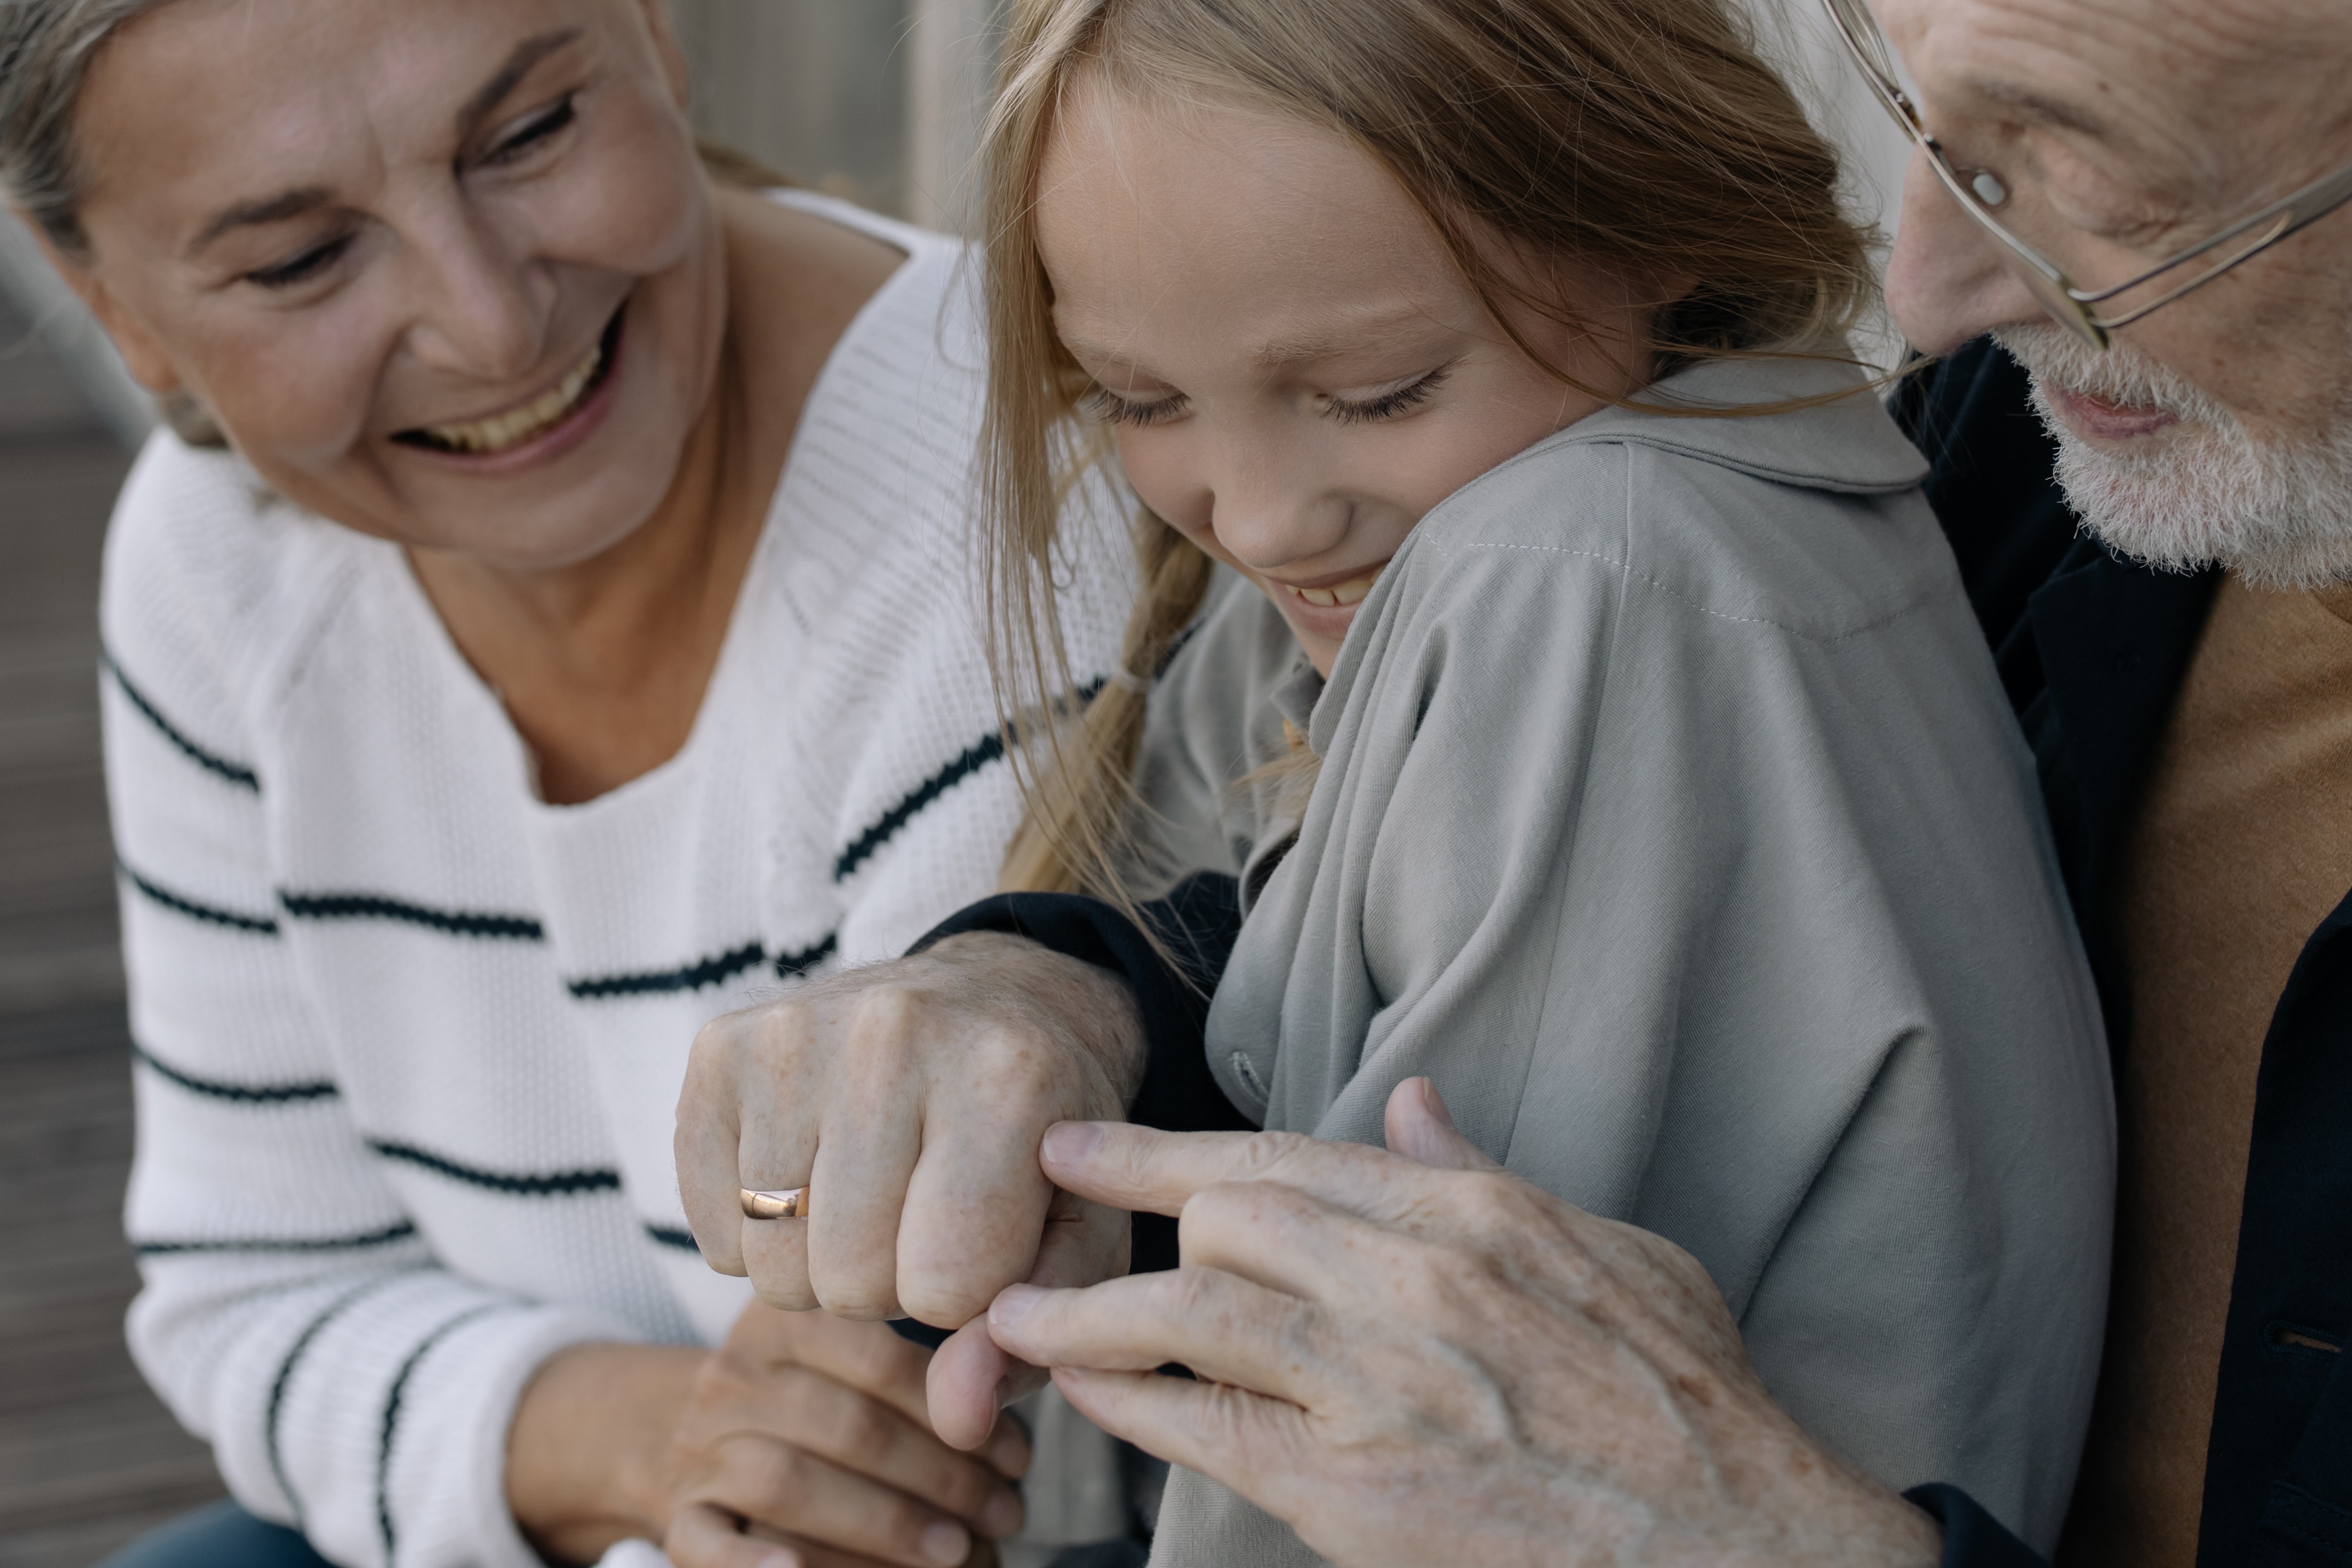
(308, 264)
(1389, 404)
(1113, 409)
(317, 258)
(1110, 407)
(539, 129)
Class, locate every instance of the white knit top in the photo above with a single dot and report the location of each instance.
(409, 1039)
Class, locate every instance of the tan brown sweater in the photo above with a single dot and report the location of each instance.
(2242, 847)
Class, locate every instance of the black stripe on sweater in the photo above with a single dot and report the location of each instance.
(209, 914)
(279, 1384)
(241, 1093)
(792, 965)
(671, 1236)
(236, 773)
(988, 748)
(374, 906)
(544, 1184)
(664, 982)
(392, 1420)
(706, 972)
(385, 1237)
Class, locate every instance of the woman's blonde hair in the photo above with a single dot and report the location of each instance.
(1640, 137)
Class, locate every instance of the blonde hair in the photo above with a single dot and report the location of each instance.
(1644, 137)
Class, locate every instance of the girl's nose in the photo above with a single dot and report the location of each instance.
(1273, 516)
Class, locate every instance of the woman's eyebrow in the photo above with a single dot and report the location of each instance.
(486, 100)
(526, 55)
(275, 210)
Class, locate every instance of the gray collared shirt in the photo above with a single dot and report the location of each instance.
(1671, 816)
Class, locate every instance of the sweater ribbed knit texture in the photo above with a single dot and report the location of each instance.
(410, 1039)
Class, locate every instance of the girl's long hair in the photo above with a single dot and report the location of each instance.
(1643, 137)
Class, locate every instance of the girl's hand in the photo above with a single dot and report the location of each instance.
(910, 1099)
(801, 1443)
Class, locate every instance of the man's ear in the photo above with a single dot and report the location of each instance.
(143, 356)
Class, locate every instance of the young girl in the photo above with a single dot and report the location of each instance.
(1583, 695)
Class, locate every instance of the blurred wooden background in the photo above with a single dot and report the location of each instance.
(88, 1458)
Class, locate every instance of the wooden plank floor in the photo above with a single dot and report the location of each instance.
(88, 1457)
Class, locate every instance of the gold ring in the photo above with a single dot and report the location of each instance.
(790, 1204)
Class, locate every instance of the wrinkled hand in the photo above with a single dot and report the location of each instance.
(911, 1098)
(1423, 1359)
(808, 1432)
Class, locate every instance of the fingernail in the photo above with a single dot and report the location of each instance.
(1072, 1142)
(945, 1544)
(1436, 1102)
(1013, 1303)
(1001, 1517)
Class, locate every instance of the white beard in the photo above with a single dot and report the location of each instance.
(2206, 492)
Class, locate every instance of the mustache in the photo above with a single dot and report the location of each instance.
(2121, 374)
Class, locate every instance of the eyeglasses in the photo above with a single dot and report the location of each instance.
(1982, 193)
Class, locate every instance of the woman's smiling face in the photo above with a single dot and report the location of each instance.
(446, 270)
(1295, 369)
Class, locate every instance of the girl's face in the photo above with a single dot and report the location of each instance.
(1295, 369)
(446, 270)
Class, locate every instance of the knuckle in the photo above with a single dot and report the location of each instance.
(857, 1300)
(875, 1360)
(888, 1009)
(859, 1428)
(777, 1476)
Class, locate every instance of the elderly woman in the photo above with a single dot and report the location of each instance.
(548, 628)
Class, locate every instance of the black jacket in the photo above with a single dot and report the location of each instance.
(2092, 651)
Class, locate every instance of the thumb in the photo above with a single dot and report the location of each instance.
(1420, 1129)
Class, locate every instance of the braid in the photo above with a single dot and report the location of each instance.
(1070, 840)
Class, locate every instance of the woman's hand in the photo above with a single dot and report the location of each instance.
(909, 1098)
(802, 1441)
(1413, 1364)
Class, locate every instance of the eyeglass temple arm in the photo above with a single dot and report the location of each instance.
(2306, 206)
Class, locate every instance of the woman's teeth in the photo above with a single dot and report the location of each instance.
(534, 419)
(1350, 592)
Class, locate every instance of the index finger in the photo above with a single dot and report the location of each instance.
(1144, 1170)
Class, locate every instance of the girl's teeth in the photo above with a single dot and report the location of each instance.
(534, 419)
(1345, 594)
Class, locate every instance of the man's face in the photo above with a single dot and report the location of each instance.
(2220, 428)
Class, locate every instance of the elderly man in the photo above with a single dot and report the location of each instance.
(1418, 1363)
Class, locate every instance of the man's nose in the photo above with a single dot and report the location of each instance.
(482, 313)
(1946, 282)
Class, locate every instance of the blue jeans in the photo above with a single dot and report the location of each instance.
(221, 1536)
(225, 1536)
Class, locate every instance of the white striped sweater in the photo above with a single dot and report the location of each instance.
(410, 1040)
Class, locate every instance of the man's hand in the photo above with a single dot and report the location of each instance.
(909, 1098)
(801, 1443)
(1416, 1357)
